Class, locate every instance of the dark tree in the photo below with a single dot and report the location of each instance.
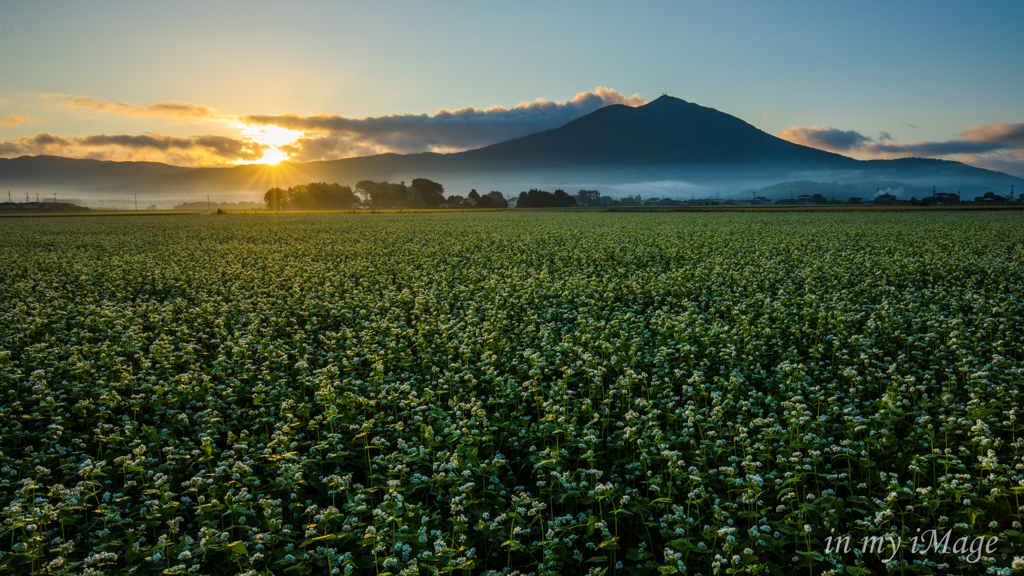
(427, 193)
(312, 196)
(543, 199)
(320, 196)
(366, 189)
(386, 196)
(563, 200)
(588, 197)
(274, 197)
(495, 199)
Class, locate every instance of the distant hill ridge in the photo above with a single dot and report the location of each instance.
(666, 140)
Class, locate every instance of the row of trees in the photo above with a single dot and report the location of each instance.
(492, 199)
(421, 193)
(544, 199)
(313, 196)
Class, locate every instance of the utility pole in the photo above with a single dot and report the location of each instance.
(136, 201)
(1011, 193)
(833, 195)
(54, 198)
(207, 202)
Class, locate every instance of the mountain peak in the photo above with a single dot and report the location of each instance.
(665, 99)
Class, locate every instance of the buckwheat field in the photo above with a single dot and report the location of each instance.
(512, 393)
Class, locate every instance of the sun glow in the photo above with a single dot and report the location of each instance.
(273, 137)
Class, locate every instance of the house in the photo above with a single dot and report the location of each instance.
(885, 198)
(990, 198)
(760, 200)
(940, 198)
(805, 199)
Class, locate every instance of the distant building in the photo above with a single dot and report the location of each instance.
(940, 198)
(805, 199)
(760, 200)
(885, 198)
(990, 198)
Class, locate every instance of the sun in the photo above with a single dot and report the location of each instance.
(273, 137)
(272, 156)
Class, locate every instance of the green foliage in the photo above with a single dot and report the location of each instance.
(313, 196)
(547, 393)
(426, 193)
(422, 193)
(543, 199)
(588, 198)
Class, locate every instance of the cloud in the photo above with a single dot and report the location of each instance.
(3, 101)
(171, 110)
(177, 150)
(825, 138)
(15, 119)
(318, 137)
(928, 149)
(1002, 133)
(38, 145)
(994, 146)
(330, 147)
(330, 136)
(1010, 161)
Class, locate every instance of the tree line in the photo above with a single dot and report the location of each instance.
(420, 193)
(312, 196)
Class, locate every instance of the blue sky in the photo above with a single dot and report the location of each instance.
(890, 72)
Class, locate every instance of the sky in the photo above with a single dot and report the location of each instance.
(221, 83)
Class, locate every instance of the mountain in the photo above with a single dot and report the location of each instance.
(665, 132)
(666, 147)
